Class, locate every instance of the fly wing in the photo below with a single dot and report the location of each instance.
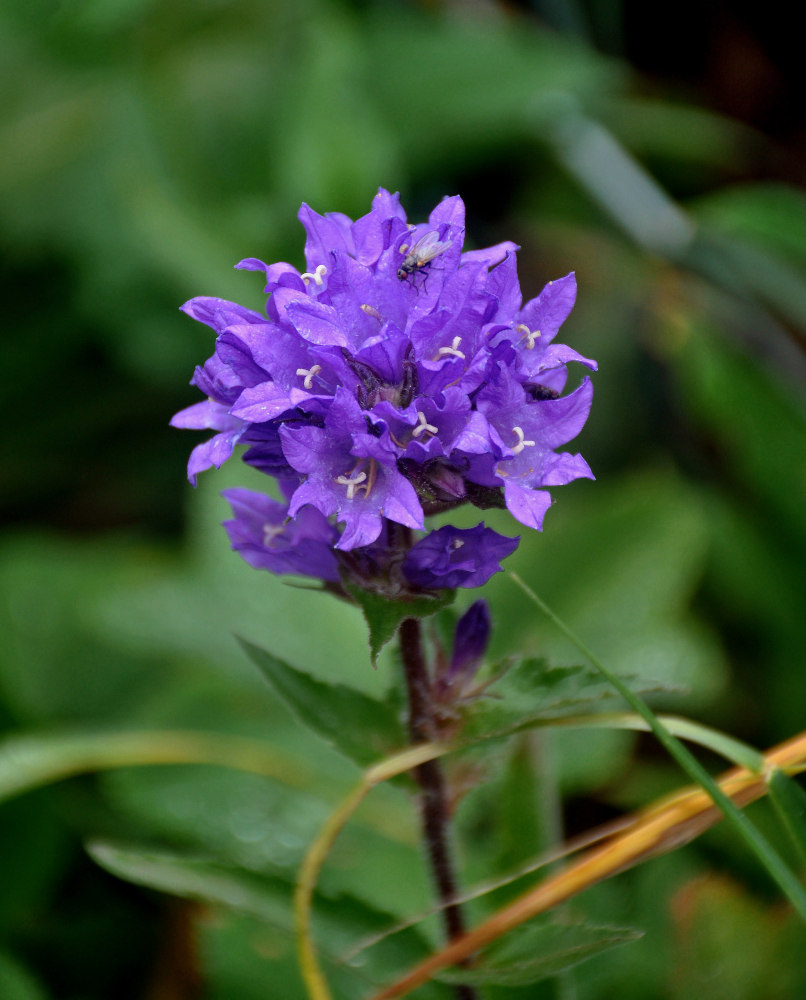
(428, 247)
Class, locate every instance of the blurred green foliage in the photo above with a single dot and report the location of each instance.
(147, 148)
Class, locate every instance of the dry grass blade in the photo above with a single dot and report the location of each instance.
(663, 826)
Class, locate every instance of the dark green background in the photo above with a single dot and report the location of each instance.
(147, 147)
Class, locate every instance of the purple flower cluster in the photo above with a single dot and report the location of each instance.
(397, 377)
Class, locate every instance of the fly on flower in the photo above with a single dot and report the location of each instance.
(374, 410)
(540, 392)
(421, 254)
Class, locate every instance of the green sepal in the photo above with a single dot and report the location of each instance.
(384, 614)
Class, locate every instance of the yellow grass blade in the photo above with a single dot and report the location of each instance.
(663, 826)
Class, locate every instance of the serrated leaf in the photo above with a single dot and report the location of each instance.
(383, 615)
(538, 951)
(531, 692)
(360, 727)
(789, 801)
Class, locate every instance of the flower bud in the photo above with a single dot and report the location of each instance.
(470, 642)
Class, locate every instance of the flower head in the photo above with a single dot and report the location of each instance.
(396, 377)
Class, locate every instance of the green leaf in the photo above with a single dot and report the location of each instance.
(789, 800)
(538, 951)
(260, 896)
(532, 693)
(34, 847)
(360, 727)
(653, 127)
(772, 215)
(16, 983)
(755, 945)
(623, 570)
(736, 401)
(502, 75)
(27, 762)
(752, 836)
(238, 956)
(341, 922)
(383, 615)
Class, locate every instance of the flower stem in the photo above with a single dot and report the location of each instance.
(435, 813)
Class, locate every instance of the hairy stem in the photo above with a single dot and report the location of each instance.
(435, 814)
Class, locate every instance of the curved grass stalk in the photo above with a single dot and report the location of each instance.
(769, 857)
(30, 761)
(316, 856)
(312, 975)
(733, 750)
(665, 825)
(27, 762)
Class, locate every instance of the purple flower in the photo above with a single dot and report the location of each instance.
(396, 377)
(350, 473)
(457, 557)
(267, 538)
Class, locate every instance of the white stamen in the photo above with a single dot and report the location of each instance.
(423, 425)
(456, 543)
(317, 276)
(351, 484)
(373, 312)
(530, 336)
(310, 374)
(270, 532)
(453, 349)
(521, 444)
